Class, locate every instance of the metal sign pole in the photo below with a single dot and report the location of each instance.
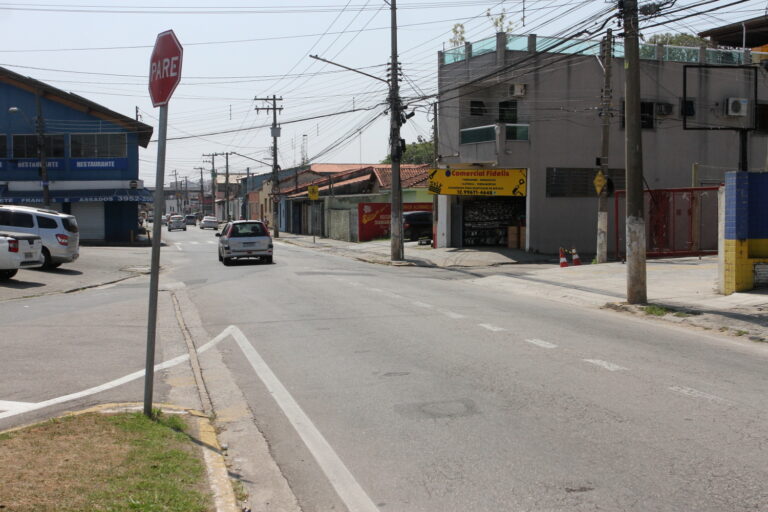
(159, 206)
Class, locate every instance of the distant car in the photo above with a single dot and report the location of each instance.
(417, 225)
(190, 220)
(176, 222)
(58, 231)
(209, 222)
(244, 239)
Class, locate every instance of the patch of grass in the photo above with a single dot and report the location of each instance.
(682, 314)
(103, 462)
(239, 489)
(654, 310)
(741, 332)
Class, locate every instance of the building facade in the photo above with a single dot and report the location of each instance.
(522, 102)
(90, 154)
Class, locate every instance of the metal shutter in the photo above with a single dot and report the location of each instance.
(90, 220)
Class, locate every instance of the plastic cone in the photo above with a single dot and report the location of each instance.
(576, 259)
(563, 261)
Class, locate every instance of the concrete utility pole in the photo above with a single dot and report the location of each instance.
(186, 194)
(202, 190)
(41, 150)
(396, 226)
(213, 179)
(176, 189)
(605, 117)
(435, 163)
(226, 187)
(635, 221)
(275, 168)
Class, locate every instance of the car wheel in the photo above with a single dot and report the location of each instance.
(47, 262)
(220, 258)
(227, 261)
(268, 259)
(185, 229)
(7, 274)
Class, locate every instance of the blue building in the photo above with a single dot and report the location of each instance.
(91, 157)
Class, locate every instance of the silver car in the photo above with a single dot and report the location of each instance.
(176, 222)
(58, 231)
(209, 222)
(244, 239)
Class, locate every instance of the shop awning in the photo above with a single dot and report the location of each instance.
(131, 195)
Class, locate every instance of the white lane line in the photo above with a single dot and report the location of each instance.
(178, 246)
(695, 393)
(420, 304)
(451, 314)
(194, 243)
(605, 364)
(347, 487)
(493, 328)
(7, 405)
(117, 382)
(541, 343)
(211, 242)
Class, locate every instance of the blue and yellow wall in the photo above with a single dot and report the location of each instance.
(746, 229)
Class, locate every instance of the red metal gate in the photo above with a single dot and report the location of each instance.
(678, 221)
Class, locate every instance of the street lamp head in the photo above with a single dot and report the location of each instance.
(13, 110)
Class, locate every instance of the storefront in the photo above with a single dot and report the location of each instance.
(480, 207)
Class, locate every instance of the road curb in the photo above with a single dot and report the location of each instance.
(216, 467)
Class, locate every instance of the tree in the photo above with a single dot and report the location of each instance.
(457, 37)
(679, 40)
(500, 23)
(419, 152)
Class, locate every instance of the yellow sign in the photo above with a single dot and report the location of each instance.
(478, 182)
(599, 182)
(313, 192)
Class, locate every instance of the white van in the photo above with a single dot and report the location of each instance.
(58, 231)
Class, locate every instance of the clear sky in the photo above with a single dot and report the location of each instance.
(236, 50)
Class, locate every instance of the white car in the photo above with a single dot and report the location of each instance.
(58, 231)
(176, 222)
(244, 239)
(19, 250)
(209, 222)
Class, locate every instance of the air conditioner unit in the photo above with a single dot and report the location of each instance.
(517, 90)
(663, 109)
(737, 107)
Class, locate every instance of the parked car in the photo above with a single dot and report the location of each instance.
(17, 251)
(58, 231)
(417, 225)
(244, 239)
(190, 220)
(176, 222)
(209, 222)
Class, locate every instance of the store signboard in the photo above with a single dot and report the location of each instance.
(374, 219)
(478, 182)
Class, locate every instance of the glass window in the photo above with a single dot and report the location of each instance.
(25, 146)
(98, 145)
(480, 134)
(46, 223)
(508, 112)
(16, 219)
(3, 146)
(477, 108)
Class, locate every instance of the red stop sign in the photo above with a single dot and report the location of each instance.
(164, 68)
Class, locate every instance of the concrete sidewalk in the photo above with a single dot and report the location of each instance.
(683, 289)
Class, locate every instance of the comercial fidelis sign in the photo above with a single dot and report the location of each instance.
(478, 182)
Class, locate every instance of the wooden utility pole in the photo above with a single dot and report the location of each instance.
(275, 168)
(635, 221)
(395, 145)
(605, 117)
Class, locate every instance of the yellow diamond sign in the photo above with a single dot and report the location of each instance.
(599, 182)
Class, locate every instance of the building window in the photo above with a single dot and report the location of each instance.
(761, 117)
(479, 134)
(25, 146)
(477, 108)
(517, 132)
(687, 108)
(508, 112)
(3, 146)
(647, 115)
(98, 145)
(579, 182)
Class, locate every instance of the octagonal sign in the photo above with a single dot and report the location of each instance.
(164, 68)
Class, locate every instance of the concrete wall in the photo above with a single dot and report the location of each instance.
(339, 224)
(560, 104)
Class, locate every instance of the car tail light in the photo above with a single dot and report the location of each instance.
(62, 239)
(406, 225)
(13, 245)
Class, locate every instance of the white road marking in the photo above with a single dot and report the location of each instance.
(541, 343)
(211, 242)
(451, 314)
(695, 393)
(422, 304)
(6, 405)
(605, 364)
(178, 246)
(492, 327)
(194, 243)
(347, 487)
(114, 383)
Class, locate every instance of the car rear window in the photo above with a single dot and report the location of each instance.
(70, 224)
(250, 229)
(16, 219)
(46, 223)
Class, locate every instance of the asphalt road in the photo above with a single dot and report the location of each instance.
(417, 389)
